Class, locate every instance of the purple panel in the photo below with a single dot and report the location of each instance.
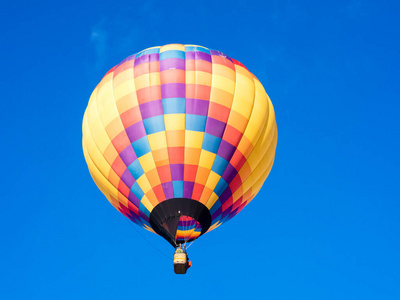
(225, 195)
(198, 55)
(172, 64)
(226, 212)
(177, 172)
(217, 213)
(168, 190)
(229, 173)
(217, 53)
(173, 90)
(197, 107)
(147, 58)
(133, 217)
(136, 131)
(188, 189)
(226, 150)
(144, 217)
(134, 199)
(233, 213)
(127, 59)
(128, 179)
(151, 109)
(128, 155)
(215, 127)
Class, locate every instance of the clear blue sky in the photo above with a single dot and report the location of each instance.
(326, 223)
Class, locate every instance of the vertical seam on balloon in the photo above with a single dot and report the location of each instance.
(95, 108)
(226, 123)
(208, 108)
(104, 127)
(265, 154)
(123, 126)
(140, 111)
(166, 142)
(265, 158)
(241, 139)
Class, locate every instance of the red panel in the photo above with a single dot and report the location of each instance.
(197, 191)
(148, 94)
(131, 116)
(165, 173)
(123, 189)
(159, 191)
(232, 135)
(121, 141)
(198, 91)
(218, 112)
(190, 173)
(118, 166)
(176, 155)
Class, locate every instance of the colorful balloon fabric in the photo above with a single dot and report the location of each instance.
(179, 138)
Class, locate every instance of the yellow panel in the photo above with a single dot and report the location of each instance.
(123, 76)
(211, 201)
(198, 77)
(106, 104)
(174, 121)
(157, 140)
(206, 159)
(172, 47)
(223, 83)
(244, 96)
(194, 139)
(212, 227)
(146, 80)
(147, 162)
(124, 89)
(148, 228)
(212, 180)
(144, 184)
(218, 69)
(147, 203)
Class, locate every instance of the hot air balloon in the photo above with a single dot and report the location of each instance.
(179, 138)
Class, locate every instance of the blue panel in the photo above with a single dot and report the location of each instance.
(221, 186)
(141, 146)
(174, 105)
(195, 122)
(137, 191)
(154, 124)
(178, 189)
(149, 51)
(196, 48)
(211, 143)
(214, 208)
(172, 54)
(219, 165)
(144, 210)
(136, 169)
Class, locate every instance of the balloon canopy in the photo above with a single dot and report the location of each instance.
(179, 138)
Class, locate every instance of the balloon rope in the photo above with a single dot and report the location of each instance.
(151, 244)
(190, 244)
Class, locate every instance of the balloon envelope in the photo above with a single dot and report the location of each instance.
(179, 138)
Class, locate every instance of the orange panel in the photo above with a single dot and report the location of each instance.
(172, 76)
(192, 155)
(161, 157)
(198, 91)
(202, 175)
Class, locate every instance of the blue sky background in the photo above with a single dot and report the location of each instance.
(324, 226)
